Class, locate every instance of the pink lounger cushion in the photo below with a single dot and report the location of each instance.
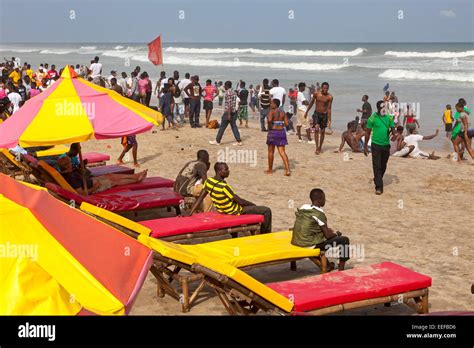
(111, 169)
(153, 182)
(197, 223)
(352, 285)
(123, 201)
(95, 157)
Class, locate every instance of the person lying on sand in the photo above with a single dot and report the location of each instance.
(414, 138)
(398, 147)
(95, 184)
(227, 202)
(349, 137)
(311, 229)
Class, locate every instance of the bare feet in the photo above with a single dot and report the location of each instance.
(288, 174)
(142, 175)
(120, 162)
(269, 172)
(136, 165)
(317, 152)
(331, 267)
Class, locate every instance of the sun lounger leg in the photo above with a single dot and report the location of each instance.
(293, 265)
(184, 298)
(424, 304)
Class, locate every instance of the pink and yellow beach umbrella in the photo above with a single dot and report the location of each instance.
(75, 110)
(56, 260)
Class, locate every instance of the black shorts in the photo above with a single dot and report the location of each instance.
(448, 127)
(470, 134)
(320, 119)
(186, 101)
(208, 105)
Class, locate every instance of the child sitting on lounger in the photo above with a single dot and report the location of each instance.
(95, 184)
(311, 229)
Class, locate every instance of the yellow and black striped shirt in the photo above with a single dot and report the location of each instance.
(222, 196)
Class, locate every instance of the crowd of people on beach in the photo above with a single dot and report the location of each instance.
(392, 130)
(278, 110)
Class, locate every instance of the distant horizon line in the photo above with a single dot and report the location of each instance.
(240, 42)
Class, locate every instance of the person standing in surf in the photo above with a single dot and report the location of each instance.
(322, 114)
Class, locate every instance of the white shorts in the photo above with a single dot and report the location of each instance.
(402, 153)
(301, 121)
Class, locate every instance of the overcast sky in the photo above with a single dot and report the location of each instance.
(236, 20)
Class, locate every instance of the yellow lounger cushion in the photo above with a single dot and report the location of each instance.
(238, 252)
(173, 251)
(252, 250)
(54, 151)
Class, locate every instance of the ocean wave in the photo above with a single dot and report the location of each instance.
(118, 47)
(19, 50)
(88, 47)
(426, 75)
(56, 51)
(441, 54)
(306, 53)
(237, 63)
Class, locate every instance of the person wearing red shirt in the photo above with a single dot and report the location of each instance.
(52, 74)
(210, 93)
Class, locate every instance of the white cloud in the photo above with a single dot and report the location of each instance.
(447, 13)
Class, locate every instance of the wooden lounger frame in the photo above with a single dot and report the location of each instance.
(239, 300)
(166, 270)
(14, 169)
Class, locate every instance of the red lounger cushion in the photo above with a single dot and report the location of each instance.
(153, 182)
(123, 201)
(352, 285)
(95, 157)
(111, 169)
(198, 223)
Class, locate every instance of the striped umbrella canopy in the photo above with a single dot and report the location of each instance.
(56, 260)
(75, 110)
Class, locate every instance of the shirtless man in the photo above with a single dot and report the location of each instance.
(350, 138)
(322, 114)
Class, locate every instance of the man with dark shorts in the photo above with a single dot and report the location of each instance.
(194, 90)
(182, 85)
(129, 143)
(322, 114)
(380, 124)
(366, 109)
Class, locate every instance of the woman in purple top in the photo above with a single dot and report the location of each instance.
(277, 121)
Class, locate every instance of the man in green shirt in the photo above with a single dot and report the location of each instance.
(379, 124)
(311, 229)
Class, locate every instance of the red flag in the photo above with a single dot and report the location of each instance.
(155, 55)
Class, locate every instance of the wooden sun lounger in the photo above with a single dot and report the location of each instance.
(178, 229)
(171, 259)
(317, 295)
(12, 166)
(257, 251)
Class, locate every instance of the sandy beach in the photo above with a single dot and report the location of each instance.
(422, 221)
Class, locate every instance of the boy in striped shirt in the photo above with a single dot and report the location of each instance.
(227, 202)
